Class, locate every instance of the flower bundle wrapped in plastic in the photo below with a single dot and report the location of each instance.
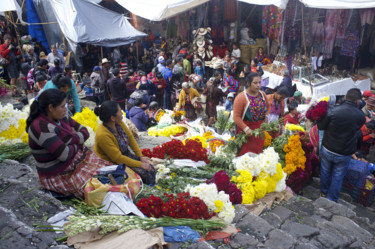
(254, 188)
(317, 112)
(167, 131)
(215, 143)
(216, 201)
(295, 155)
(182, 206)
(192, 149)
(293, 127)
(198, 138)
(208, 135)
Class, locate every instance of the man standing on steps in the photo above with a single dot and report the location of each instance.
(341, 127)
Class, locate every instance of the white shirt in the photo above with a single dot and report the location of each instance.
(236, 53)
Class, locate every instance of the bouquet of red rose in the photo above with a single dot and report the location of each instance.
(192, 149)
(317, 112)
(182, 206)
(222, 181)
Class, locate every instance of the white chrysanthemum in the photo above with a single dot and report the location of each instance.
(89, 143)
(166, 119)
(281, 185)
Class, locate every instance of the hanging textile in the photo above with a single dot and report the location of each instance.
(230, 10)
(272, 21)
(352, 40)
(330, 32)
(342, 19)
(367, 16)
(307, 25)
(292, 26)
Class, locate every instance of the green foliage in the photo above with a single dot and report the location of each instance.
(14, 152)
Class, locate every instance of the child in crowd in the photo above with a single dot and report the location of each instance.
(199, 69)
(229, 102)
(368, 132)
(293, 117)
(40, 83)
(138, 115)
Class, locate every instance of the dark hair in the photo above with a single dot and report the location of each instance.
(107, 110)
(199, 63)
(116, 72)
(57, 63)
(138, 102)
(353, 95)
(255, 61)
(371, 125)
(42, 62)
(293, 105)
(168, 62)
(7, 37)
(229, 71)
(40, 78)
(62, 81)
(217, 73)
(159, 75)
(250, 78)
(179, 59)
(68, 68)
(283, 91)
(40, 105)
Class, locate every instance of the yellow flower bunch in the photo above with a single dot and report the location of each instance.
(208, 135)
(178, 114)
(199, 139)
(219, 206)
(16, 133)
(293, 127)
(214, 144)
(267, 140)
(245, 183)
(167, 131)
(295, 156)
(87, 118)
(159, 115)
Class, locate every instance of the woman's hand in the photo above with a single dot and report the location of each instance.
(249, 132)
(146, 166)
(144, 159)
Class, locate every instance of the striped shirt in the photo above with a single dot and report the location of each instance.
(54, 145)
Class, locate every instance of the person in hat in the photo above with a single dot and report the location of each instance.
(55, 55)
(297, 97)
(366, 94)
(160, 64)
(97, 84)
(229, 102)
(147, 85)
(369, 108)
(236, 54)
(249, 112)
(214, 94)
(185, 101)
(117, 89)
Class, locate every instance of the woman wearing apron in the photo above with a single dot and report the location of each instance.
(185, 101)
(249, 112)
(277, 103)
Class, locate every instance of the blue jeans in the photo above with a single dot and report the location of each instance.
(167, 100)
(332, 171)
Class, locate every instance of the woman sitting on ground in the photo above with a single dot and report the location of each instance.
(64, 164)
(113, 139)
(66, 85)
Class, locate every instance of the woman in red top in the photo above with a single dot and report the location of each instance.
(249, 112)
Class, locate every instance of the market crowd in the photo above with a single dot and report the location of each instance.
(140, 83)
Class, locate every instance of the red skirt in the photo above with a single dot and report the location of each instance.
(253, 144)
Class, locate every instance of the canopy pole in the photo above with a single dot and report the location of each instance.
(136, 46)
(304, 44)
(101, 52)
(23, 3)
(11, 19)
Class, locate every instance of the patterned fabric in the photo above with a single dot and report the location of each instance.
(148, 177)
(55, 145)
(256, 111)
(121, 137)
(74, 178)
(189, 109)
(232, 83)
(351, 40)
(271, 22)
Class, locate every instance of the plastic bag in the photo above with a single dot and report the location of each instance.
(180, 234)
(119, 204)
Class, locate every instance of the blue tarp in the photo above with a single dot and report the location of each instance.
(36, 31)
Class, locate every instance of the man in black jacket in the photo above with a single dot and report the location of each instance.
(341, 126)
(117, 89)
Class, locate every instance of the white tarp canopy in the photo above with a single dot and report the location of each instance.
(158, 10)
(10, 5)
(279, 3)
(339, 4)
(83, 21)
